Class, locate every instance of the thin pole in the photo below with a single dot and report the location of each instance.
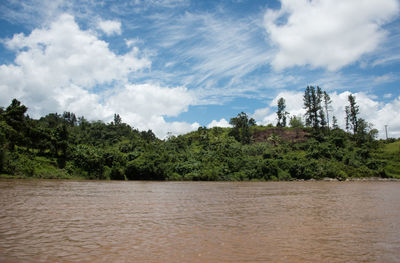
(386, 132)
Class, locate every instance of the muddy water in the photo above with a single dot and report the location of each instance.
(95, 221)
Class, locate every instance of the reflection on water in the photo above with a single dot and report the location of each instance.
(97, 221)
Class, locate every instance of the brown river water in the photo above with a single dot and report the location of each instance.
(99, 221)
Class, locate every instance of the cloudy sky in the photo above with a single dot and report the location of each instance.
(174, 65)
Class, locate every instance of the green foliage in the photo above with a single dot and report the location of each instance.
(281, 113)
(63, 146)
(389, 156)
(296, 122)
(241, 127)
(352, 111)
(89, 159)
(315, 116)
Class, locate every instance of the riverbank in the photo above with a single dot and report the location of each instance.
(82, 178)
(55, 147)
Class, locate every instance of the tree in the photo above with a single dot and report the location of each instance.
(70, 118)
(89, 159)
(365, 131)
(281, 113)
(241, 127)
(296, 122)
(14, 116)
(335, 124)
(312, 104)
(148, 136)
(327, 103)
(117, 119)
(352, 111)
(2, 144)
(60, 144)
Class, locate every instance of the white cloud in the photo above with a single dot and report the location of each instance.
(144, 106)
(262, 116)
(389, 77)
(55, 58)
(373, 111)
(63, 68)
(387, 95)
(150, 99)
(32, 12)
(213, 50)
(294, 105)
(110, 27)
(221, 123)
(64, 54)
(327, 33)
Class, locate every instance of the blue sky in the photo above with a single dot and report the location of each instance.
(174, 65)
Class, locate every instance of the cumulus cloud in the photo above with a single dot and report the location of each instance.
(110, 27)
(145, 105)
(221, 123)
(63, 68)
(63, 54)
(327, 33)
(373, 111)
(294, 105)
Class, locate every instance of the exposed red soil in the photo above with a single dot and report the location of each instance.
(292, 135)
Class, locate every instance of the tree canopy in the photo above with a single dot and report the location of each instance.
(67, 146)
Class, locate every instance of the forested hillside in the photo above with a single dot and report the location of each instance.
(67, 146)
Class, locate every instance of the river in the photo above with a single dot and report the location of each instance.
(112, 221)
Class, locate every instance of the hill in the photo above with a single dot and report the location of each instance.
(64, 146)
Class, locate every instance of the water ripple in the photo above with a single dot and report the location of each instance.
(97, 221)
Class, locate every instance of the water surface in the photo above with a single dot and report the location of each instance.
(99, 221)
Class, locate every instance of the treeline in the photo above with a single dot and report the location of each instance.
(67, 146)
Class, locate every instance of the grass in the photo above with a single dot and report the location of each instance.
(391, 154)
(392, 148)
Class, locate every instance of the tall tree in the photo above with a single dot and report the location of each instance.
(70, 118)
(117, 119)
(281, 113)
(312, 104)
(296, 122)
(335, 124)
(327, 103)
(352, 111)
(14, 116)
(241, 127)
(321, 114)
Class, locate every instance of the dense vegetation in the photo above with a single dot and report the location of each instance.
(64, 146)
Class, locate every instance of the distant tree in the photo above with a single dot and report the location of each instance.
(148, 136)
(70, 118)
(83, 123)
(89, 159)
(296, 122)
(321, 114)
(315, 113)
(327, 103)
(365, 131)
(241, 127)
(352, 112)
(312, 105)
(14, 116)
(117, 119)
(281, 113)
(335, 123)
(60, 144)
(2, 144)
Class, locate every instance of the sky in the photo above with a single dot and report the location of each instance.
(175, 65)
